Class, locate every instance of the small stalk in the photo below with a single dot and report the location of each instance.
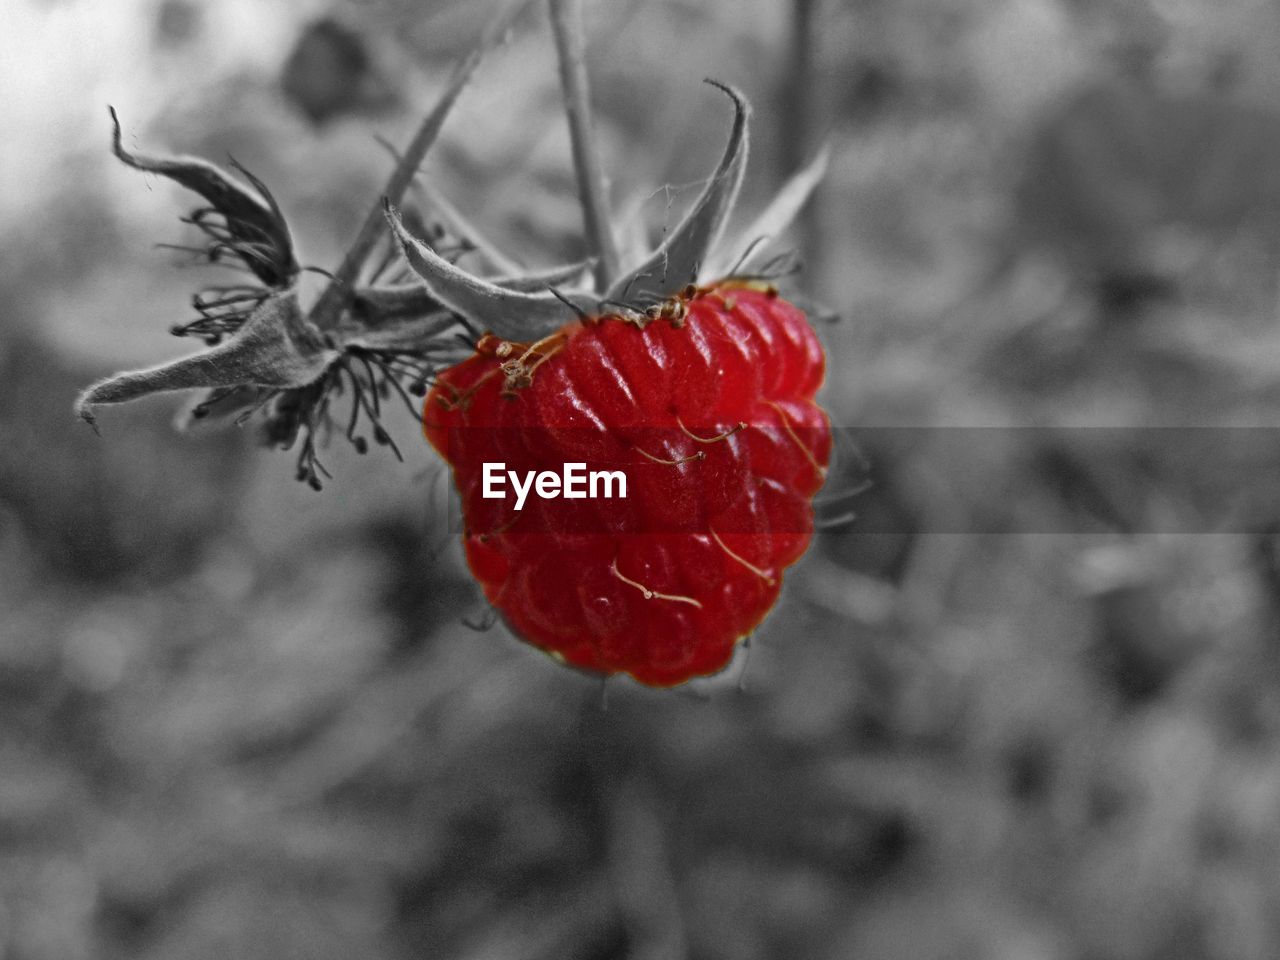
(800, 88)
(799, 120)
(337, 296)
(570, 36)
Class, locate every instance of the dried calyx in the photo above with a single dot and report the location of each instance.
(381, 331)
(265, 354)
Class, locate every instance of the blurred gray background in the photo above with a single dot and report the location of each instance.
(239, 719)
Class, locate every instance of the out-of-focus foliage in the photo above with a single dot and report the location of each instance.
(242, 720)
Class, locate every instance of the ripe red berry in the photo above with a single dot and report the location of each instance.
(707, 405)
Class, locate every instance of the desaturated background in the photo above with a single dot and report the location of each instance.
(239, 719)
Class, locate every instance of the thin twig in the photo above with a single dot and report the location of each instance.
(799, 90)
(799, 119)
(339, 292)
(453, 219)
(566, 25)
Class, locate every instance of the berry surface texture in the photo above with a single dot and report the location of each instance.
(706, 404)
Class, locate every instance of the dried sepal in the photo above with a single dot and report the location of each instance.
(631, 230)
(419, 332)
(773, 221)
(686, 250)
(511, 314)
(452, 218)
(254, 228)
(378, 303)
(573, 275)
(276, 347)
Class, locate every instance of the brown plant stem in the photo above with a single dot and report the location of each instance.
(338, 294)
(570, 37)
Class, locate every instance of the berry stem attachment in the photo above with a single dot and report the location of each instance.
(570, 37)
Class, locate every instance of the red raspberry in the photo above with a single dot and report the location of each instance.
(706, 404)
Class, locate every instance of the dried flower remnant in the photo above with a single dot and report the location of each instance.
(264, 354)
(370, 336)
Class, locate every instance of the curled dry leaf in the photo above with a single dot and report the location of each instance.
(507, 312)
(252, 228)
